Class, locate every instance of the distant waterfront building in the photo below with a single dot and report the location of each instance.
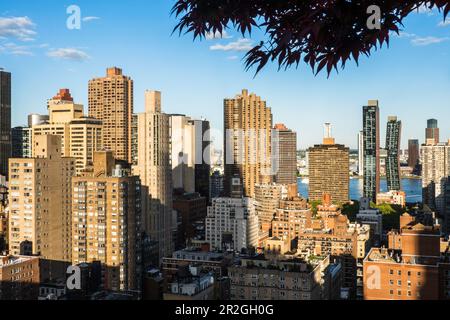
(371, 133)
(247, 141)
(111, 101)
(393, 140)
(21, 142)
(361, 153)
(40, 202)
(155, 170)
(5, 121)
(108, 232)
(432, 131)
(435, 171)
(286, 162)
(329, 170)
(392, 197)
(80, 135)
(413, 153)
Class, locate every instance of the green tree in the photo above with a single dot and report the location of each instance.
(351, 210)
(321, 33)
(391, 214)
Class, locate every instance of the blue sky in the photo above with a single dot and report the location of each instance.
(411, 78)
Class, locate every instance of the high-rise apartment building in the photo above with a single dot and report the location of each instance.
(284, 145)
(232, 224)
(267, 200)
(285, 278)
(80, 135)
(248, 126)
(329, 170)
(190, 154)
(411, 268)
(432, 132)
(106, 222)
(413, 153)
(371, 133)
(5, 121)
(111, 101)
(291, 217)
(39, 198)
(435, 171)
(21, 138)
(393, 140)
(361, 153)
(155, 170)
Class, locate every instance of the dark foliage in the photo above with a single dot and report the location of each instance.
(322, 33)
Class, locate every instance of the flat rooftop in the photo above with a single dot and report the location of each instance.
(13, 260)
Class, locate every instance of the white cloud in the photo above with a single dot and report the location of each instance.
(20, 28)
(239, 45)
(425, 41)
(91, 18)
(444, 23)
(16, 50)
(68, 54)
(232, 58)
(217, 35)
(405, 35)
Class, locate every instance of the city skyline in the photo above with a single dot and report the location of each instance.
(58, 57)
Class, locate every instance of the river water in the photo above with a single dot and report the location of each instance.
(412, 188)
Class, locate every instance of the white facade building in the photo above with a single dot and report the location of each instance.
(233, 216)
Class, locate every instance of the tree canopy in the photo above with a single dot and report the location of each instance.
(322, 33)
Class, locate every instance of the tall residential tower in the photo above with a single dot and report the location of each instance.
(371, 132)
(111, 101)
(5, 121)
(286, 169)
(155, 170)
(393, 137)
(248, 126)
(329, 170)
(432, 131)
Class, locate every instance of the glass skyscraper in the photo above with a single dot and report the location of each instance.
(393, 136)
(371, 134)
